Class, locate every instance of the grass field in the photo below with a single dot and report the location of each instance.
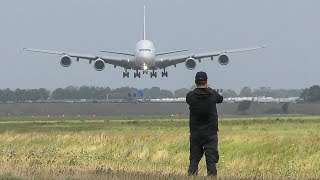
(157, 147)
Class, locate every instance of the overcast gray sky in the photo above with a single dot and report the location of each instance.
(290, 27)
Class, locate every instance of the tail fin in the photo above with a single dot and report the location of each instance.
(144, 22)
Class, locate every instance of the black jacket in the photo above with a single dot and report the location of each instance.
(203, 111)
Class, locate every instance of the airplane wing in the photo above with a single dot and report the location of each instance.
(125, 63)
(173, 61)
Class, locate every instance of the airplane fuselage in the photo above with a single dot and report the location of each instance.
(144, 55)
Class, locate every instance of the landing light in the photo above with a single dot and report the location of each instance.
(145, 67)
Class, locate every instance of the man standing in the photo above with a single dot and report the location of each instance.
(203, 125)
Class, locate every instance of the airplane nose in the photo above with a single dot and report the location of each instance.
(145, 56)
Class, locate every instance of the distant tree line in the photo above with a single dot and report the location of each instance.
(263, 91)
(88, 92)
(311, 94)
(22, 95)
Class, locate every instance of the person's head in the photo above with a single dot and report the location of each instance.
(201, 79)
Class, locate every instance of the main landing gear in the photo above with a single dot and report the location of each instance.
(126, 74)
(137, 74)
(153, 74)
(164, 73)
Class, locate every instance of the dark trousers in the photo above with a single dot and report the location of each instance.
(199, 145)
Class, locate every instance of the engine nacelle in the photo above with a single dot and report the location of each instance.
(65, 61)
(99, 65)
(223, 59)
(191, 63)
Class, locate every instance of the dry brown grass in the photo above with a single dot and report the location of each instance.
(148, 149)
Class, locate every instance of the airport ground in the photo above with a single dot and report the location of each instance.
(143, 109)
(251, 147)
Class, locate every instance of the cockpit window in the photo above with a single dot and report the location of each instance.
(145, 50)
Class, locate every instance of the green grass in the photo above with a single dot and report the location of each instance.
(158, 147)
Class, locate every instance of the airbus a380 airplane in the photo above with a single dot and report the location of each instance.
(144, 58)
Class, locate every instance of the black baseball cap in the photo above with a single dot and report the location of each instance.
(201, 76)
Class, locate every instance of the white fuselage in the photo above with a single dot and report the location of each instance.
(145, 55)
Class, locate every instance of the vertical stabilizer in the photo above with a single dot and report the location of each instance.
(144, 22)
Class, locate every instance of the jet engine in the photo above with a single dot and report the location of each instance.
(191, 63)
(65, 61)
(99, 65)
(223, 59)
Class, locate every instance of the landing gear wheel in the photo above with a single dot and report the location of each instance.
(125, 74)
(153, 74)
(137, 74)
(164, 73)
(145, 72)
